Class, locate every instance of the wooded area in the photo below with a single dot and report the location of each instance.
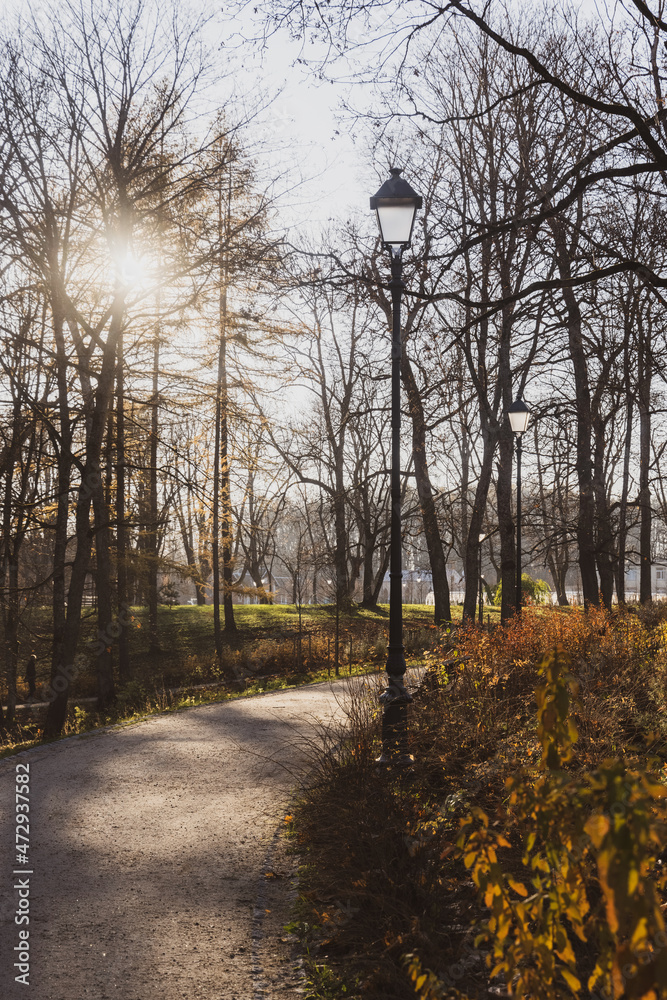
(190, 398)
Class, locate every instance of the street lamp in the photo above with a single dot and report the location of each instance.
(519, 415)
(396, 205)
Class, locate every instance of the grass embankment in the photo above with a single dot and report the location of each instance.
(271, 649)
(387, 907)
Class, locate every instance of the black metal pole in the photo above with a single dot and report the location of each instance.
(518, 525)
(396, 698)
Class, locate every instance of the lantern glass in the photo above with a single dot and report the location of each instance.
(396, 205)
(395, 222)
(519, 415)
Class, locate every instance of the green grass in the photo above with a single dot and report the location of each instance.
(193, 626)
(186, 631)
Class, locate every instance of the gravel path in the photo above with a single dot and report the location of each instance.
(150, 847)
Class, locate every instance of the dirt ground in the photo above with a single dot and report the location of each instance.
(158, 865)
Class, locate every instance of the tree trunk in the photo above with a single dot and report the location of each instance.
(489, 436)
(188, 546)
(64, 453)
(340, 550)
(226, 499)
(152, 500)
(222, 509)
(436, 552)
(644, 401)
(586, 517)
(464, 450)
(104, 669)
(556, 555)
(380, 575)
(623, 511)
(604, 531)
(11, 633)
(508, 528)
(558, 573)
(368, 577)
(506, 524)
(253, 564)
(215, 524)
(10, 608)
(124, 667)
(91, 483)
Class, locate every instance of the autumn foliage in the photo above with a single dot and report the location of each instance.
(523, 851)
(589, 844)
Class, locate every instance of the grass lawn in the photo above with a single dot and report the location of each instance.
(273, 647)
(185, 629)
(186, 634)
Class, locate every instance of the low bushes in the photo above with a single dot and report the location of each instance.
(419, 862)
(533, 591)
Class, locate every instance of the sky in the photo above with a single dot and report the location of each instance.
(298, 133)
(329, 175)
(301, 129)
(323, 173)
(305, 118)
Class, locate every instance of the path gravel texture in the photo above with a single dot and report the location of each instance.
(158, 865)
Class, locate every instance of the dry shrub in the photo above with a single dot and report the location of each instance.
(282, 657)
(618, 658)
(356, 891)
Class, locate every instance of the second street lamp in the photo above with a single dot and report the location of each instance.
(396, 205)
(519, 415)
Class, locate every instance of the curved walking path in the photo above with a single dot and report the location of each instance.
(157, 866)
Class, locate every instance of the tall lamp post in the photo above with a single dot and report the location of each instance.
(396, 205)
(519, 415)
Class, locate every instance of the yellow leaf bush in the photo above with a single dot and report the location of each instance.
(584, 918)
(589, 844)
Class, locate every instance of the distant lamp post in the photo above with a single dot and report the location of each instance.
(481, 585)
(395, 205)
(519, 415)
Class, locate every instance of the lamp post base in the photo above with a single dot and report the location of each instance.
(395, 701)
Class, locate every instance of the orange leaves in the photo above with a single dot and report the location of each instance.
(654, 788)
(426, 984)
(597, 828)
(518, 887)
(571, 980)
(512, 651)
(556, 729)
